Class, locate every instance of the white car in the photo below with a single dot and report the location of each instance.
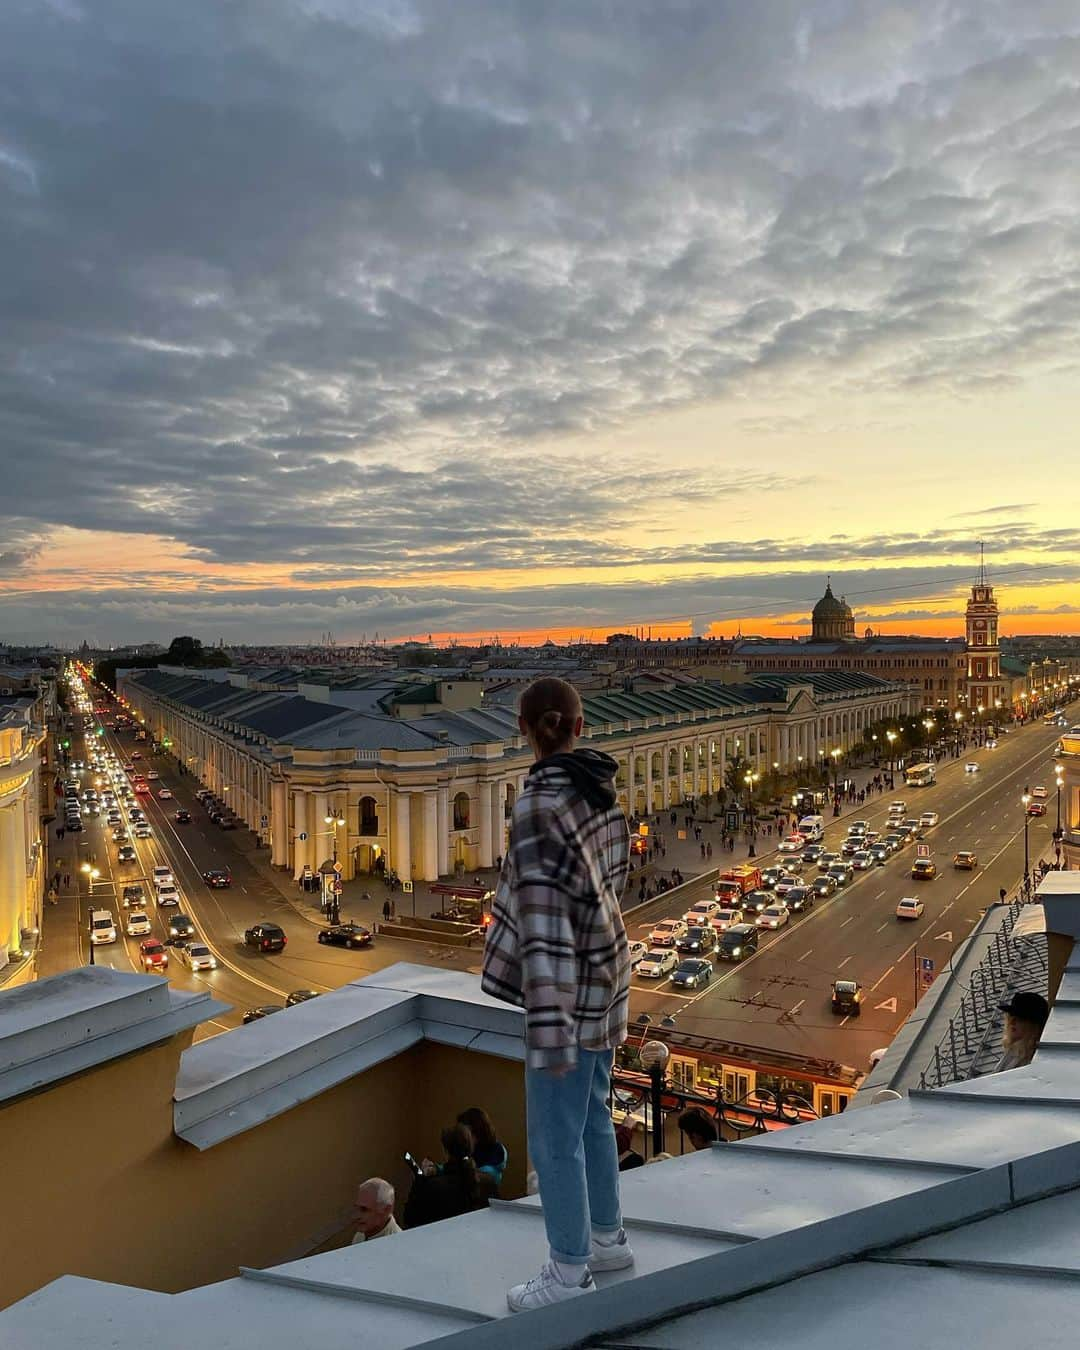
(138, 924)
(971, 767)
(152, 775)
(1039, 793)
(928, 819)
(168, 895)
(794, 843)
(862, 861)
(656, 964)
(667, 932)
(637, 951)
(163, 876)
(774, 916)
(143, 830)
(701, 913)
(164, 794)
(911, 907)
(726, 918)
(198, 956)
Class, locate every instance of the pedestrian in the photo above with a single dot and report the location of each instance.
(393, 911)
(374, 1211)
(1002, 894)
(557, 947)
(703, 850)
(457, 1187)
(1025, 1017)
(708, 849)
(498, 862)
(629, 1158)
(699, 1128)
(386, 910)
(60, 832)
(67, 881)
(489, 1153)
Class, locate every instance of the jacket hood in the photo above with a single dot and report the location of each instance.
(591, 772)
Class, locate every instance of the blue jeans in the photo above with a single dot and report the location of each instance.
(572, 1145)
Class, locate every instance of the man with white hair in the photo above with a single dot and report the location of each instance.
(374, 1210)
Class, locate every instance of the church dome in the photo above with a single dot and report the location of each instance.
(833, 620)
(828, 607)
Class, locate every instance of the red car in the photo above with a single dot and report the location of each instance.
(141, 789)
(153, 955)
(1036, 808)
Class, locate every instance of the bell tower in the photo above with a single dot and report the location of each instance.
(985, 687)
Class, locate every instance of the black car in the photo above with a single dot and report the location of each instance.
(881, 853)
(181, 930)
(182, 817)
(771, 876)
(823, 886)
(126, 854)
(264, 1010)
(266, 937)
(134, 895)
(812, 852)
(226, 823)
(840, 873)
(692, 974)
(73, 825)
(219, 878)
(346, 935)
(739, 942)
(301, 996)
(756, 901)
(847, 996)
(696, 940)
(799, 899)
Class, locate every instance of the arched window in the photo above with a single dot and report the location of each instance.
(369, 816)
(461, 811)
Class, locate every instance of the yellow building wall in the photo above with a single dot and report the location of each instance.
(96, 1183)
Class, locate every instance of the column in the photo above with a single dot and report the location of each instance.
(301, 847)
(320, 831)
(711, 788)
(279, 823)
(498, 820)
(649, 806)
(442, 824)
(401, 858)
(12, 879)
(431, 835)
(485, 823)
(631, 785)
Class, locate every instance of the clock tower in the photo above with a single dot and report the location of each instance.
(985, 686)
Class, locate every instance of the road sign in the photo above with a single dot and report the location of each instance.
(922, 850)
(406, 886)
(337, 867)
(302, 835)
(335, 886)
(926, 970)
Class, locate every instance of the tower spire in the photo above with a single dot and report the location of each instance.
(981, 579)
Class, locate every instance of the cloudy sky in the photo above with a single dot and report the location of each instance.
(517, 317)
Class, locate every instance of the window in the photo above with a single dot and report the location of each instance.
(369, 816)
(461, 811)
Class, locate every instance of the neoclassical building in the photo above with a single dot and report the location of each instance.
(22, 848)
(425, 778)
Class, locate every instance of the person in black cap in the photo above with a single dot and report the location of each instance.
(1025, 1017)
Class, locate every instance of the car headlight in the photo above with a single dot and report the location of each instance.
(736, 951)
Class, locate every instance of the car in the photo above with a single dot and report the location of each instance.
(152, 775)
(73, 824)
(725, 918)
(923, 869)
(114, 819)
(858, 827)
(136, 816)
(896, 840)
(182, 817)
(300, 996)
(126, 854)
(167, 896)
(775, 916)
(164, 794)
(847, 997)
(739, 942)
(862, 861)
(755, 902)
(812, 852)
(828, 860)
(152, 955)
(142, 789)
(136, 754)
(910, 828)
(702, 912)
(898, 808)
(794, 843)
(971, 767)
(92, 809)
(657, 963)
(785, 884)
(911, 907)
(667, 931)
(218, 878)
(198, 956)
(692, 974)
(991, 744)
(965, 860)
(120, 835)
(841, 873)
(929, 819)
(853, 845)
(265, 937)
(137, 924)
(700, 938)
(771, 876)
(636, 949)
(880, 853)
(800, 899)
(142, 830)
(823, 886)
(263, 1010)
(1036, 808)
(348, 935)
(134, 895)
(162, 876)
(181, 930)
(1039, 793)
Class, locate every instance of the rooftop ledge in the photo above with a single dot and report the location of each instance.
(229, 1084)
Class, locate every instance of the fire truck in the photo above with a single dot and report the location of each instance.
(738, 881)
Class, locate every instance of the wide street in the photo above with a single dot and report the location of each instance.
(780, 997)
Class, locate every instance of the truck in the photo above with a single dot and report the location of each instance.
(736, 882)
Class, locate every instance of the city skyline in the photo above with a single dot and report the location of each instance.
(511, 321)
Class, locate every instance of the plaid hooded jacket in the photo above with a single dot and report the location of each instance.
(557, 945)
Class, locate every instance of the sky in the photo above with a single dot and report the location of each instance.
(522, 318)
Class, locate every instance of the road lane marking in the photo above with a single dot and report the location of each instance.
(843, 963)
(795, 1009)
(847, 920)
(805, 954)
(884, 925)
(875, 985)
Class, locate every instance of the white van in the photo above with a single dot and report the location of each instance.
(102, 926)
(812, 828)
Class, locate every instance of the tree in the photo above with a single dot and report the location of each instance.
(736, 771)
(184, 651)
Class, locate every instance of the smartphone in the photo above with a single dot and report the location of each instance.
(414, 1164)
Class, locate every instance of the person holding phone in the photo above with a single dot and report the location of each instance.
(557, 947)
(458, 1187)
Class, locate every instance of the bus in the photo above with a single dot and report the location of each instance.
(920, 775)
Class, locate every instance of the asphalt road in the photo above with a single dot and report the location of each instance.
(779, 997)
(244, 977)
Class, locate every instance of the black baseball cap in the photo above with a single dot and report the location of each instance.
(1029, 1007)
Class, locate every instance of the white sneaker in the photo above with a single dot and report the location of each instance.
(545, 1289)
(616, 1255)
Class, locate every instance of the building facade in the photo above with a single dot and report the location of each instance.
(987, 689)
(22, 846)
(431, 795)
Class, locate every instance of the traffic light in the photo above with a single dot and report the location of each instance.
(101, 731)
(66, 745)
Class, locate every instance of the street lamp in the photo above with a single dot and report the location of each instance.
(890, 736)
(334, 821)
(1026, 798)
(1058, 775)
(750, 779)
(836, 753)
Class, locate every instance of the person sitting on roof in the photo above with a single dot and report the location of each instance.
(1025, 1017)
